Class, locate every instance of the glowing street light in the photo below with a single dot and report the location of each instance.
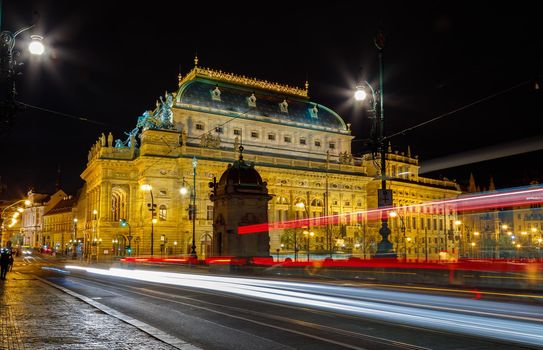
(9, 71)
(384, 195)
(151, 206)
(36, 46)
(360, 94)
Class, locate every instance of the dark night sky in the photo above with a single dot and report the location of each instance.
(109, 61)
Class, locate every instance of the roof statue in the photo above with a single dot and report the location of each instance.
(165, 113)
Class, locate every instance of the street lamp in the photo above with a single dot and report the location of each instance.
(192, 208)
(10, 69)
(308, 235)
(74, 240)
(394, 214)
(300, 205)
(152, 209)
(94, 238)
(384, 247)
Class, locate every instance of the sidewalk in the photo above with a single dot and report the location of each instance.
(34, 315)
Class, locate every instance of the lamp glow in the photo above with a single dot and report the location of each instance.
(360, 94)
(36, 46)
(183, 191)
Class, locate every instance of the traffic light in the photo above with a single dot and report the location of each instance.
(123, 223)
(129, 250)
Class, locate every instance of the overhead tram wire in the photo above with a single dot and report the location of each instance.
(70, 116)
(481, 100)
(441, 116)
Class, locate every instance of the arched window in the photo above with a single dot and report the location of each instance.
(118, 204)
(162, 212)
(281, 200)
(316, 202)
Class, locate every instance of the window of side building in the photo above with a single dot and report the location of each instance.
(237, 132)
(271, 137)
(302, 141)
(219, 129)
(254, 134)
(209, 212)
(332, 145)
(317, 143)
(199, 126)
(162, 213)
(287, 139)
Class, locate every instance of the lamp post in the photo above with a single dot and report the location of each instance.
(192, 208)
(308, 235)
(74, 241)
(394, 214)
(92, 254)
(152, 209)
(306, 210)
(10, 69)
(384, 247)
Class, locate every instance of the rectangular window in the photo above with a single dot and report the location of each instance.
(302, 141)
(199, 126)
(332, 145)
(254, 134)
(209, 212)
(414, 223)
(219, 129)
(287, 139)
(422, 223)
(271, 137)
(237, 132)
(317, 143)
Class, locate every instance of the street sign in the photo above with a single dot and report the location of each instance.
(384, 198)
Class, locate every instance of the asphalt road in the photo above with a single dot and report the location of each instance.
(234, 312)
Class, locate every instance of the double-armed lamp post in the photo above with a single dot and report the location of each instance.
(384, 248)
(10, 69)
(152, 209)
(192, 208)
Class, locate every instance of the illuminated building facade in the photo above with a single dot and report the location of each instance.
(300, 148)
(58, 226)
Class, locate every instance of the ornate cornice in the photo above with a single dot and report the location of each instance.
(242, 80)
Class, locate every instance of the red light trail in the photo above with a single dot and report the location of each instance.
(518, 197)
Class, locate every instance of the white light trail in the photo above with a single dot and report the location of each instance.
(347, 300)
